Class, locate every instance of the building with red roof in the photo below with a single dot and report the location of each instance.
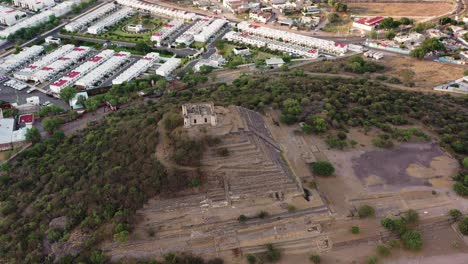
(367, 24)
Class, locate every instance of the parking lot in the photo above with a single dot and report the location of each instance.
(14, 96)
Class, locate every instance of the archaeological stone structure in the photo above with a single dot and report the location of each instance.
(199, 114)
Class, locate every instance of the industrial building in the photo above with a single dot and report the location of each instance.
(274, 45)
(166, 31)
(9, 16)
(58, 10)
(159, 10)
(293, 38)
(89, 80)
(367, 24)
(34, 5)
(51, 70)
(110, 20)
(9, 137)
(15, 61)
(89, 18)
(80, 71)
(210, 30)
(168, 67)
(26, 73)
(136, 69)
(187, 37)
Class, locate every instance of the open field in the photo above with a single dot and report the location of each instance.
(427, 73)
(400, 9)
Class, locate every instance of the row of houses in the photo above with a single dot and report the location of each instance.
(86, 20)
(210, 30)
(187, 37)
(168, 67)
(34, 5)
(80, 71)
(26, 73)
(137, 68)
(10, 16)
(110, 20)
(14, 61)
(274, 45)
(51, 70)
(166, 31)
(294, 38)
(58, 10)
(159, 10)
(92, 78)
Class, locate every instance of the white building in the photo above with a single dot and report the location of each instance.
(53, 69)
(214, 61)
(9, 137)
(86, 20)
(412, 39)
(168, 67)
(34, 5)
(80, 71)
(159, 10)
(26, 73)
(241, 51)
(92, 78)
(367, 24)
(236, 6)
(58, 11)
(9, 16)
(166, 31)
(110, 20)
(199, 114)
(260, 16)
(294, 38)
(274, 62)
(210, 30)
(457, 86)
(15, 61)
(275, 45)
(136, 69)
(187, 37)
(52, 40)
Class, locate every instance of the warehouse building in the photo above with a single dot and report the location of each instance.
(166, 31)
(80, 71)
(58, 11)
(274, 45)
(159, 10)
(367, 24)
(293, 38)
(34, 5)
(15, 61)
(110, 20)
(136, 69)
(89, 18)
(168, 67)
(210, 30)
(26, 73)
(9, 16)
(51, 70)
(92, 78)
(187, 37)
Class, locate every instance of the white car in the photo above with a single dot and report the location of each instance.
(31, 90)
(46, 103)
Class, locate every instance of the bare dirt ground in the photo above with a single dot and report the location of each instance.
(400, 9)
(428, 74)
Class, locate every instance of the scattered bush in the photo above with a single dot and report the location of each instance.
(355, 229)
(366, 211)
(314, 258)
(411, 216)
(463, 226)
(251, 259)
(272, 254)
(372, 260)
(322, 168)
(383, 251)
(412, 240)
(455, 214)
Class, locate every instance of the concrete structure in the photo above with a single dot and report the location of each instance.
(210, 30)
(108, 67)
(457, 86)
(89, 18)
(110, 20)
(260, 16)
(168, 67)
(26, 73)
(136, 69)
(199, 114)
(187, 37)
(367, 24)
(412, 39)
(15, 61)
(74, 101)
(58, 11)
(436, 33)
(9, 16)
(80, 71)
(159, 10)
(261, 42)
(52, 40)
(52, 70)
(241, 51)
(294, 38)
(236, 6)
(166, 31)
(9, 136)
(214, 61)
(135, 28)
(311, 10)
(274, 62)
(34, 5)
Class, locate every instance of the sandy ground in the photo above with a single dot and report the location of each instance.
(428, 74)
(400, 9)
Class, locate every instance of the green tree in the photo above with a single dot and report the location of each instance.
(445, 20)
(366, 211)
(390, 35)
(317, 124)
(97, 257)
(460, 189)
(322, 168)
(251, 259)
(333, 17)
(411, 216)
(67, 93)
(455, 214)
(33, 135)
(412, 240)
(406, 21)
(465, 160)
(314, 258)
(331, 3)
(388, 23)
(355, 229)
(172, 121)
(142, 47)
(50, 124)
(463, 226)
(272, 254)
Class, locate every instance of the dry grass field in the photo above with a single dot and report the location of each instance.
(427, 73)
(400, 9)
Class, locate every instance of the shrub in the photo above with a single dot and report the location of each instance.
(411, 216)
(383, 251)
(223, 152)
(262, 214)
(315, 259)
(251, 259)
(291, 208)
(242, 218)
(460, 189)
(372, 260)
(323, 168)
(463, 226)
(366, 211)
(412, 240)
(272, 254)
(355, 229)
(455, 214)
(172, 121)
(312, 185)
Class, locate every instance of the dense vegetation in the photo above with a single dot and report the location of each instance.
(402, 227)
(26, 34)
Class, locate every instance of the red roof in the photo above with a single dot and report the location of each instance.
(157, 34)
(60, 82)
(95, 59)
(312, 51)
(32, 67)
(64, 58)
(339, 44)
(47, 68)
(79, 49)
(72, 74)
(26, 119)
(119, 55)
(370, 21)
(11, 11)
(168, 25)
(254, 26)
(146, 58)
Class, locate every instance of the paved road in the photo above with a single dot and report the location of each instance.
(14, 96)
